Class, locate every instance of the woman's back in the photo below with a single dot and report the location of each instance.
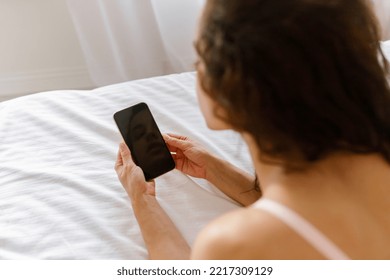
(345, 197)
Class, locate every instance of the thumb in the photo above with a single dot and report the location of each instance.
(125, 153)
(182, 144)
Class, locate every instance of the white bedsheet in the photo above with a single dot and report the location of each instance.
(59, 194)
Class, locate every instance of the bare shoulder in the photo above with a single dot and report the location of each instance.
(250, 234)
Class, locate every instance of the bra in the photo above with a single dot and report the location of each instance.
(303, 228)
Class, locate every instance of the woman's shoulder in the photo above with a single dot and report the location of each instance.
(250, 233)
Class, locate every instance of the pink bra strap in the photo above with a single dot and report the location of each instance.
(303, 228)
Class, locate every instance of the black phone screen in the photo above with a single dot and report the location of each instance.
(141, 134)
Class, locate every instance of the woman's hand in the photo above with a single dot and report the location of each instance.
(131, 176)
(161, 236)
(190, 157)
(193, 160)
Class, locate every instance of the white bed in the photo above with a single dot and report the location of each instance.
(59, 194)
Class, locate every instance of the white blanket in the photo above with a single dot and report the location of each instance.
(59, 194)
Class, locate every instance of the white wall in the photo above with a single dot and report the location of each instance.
(39, 50)
(382, 10)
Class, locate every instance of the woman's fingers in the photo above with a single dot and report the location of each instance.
(119, 161)
(125, 154)
(181, 137)
(178, 142)
(171, 148)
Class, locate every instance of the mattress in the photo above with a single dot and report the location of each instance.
(59, 194)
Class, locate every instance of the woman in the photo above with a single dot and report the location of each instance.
(304, 82)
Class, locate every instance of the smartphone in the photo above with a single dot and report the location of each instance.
(141, 134)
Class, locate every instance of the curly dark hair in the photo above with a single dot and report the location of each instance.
(305, 78)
